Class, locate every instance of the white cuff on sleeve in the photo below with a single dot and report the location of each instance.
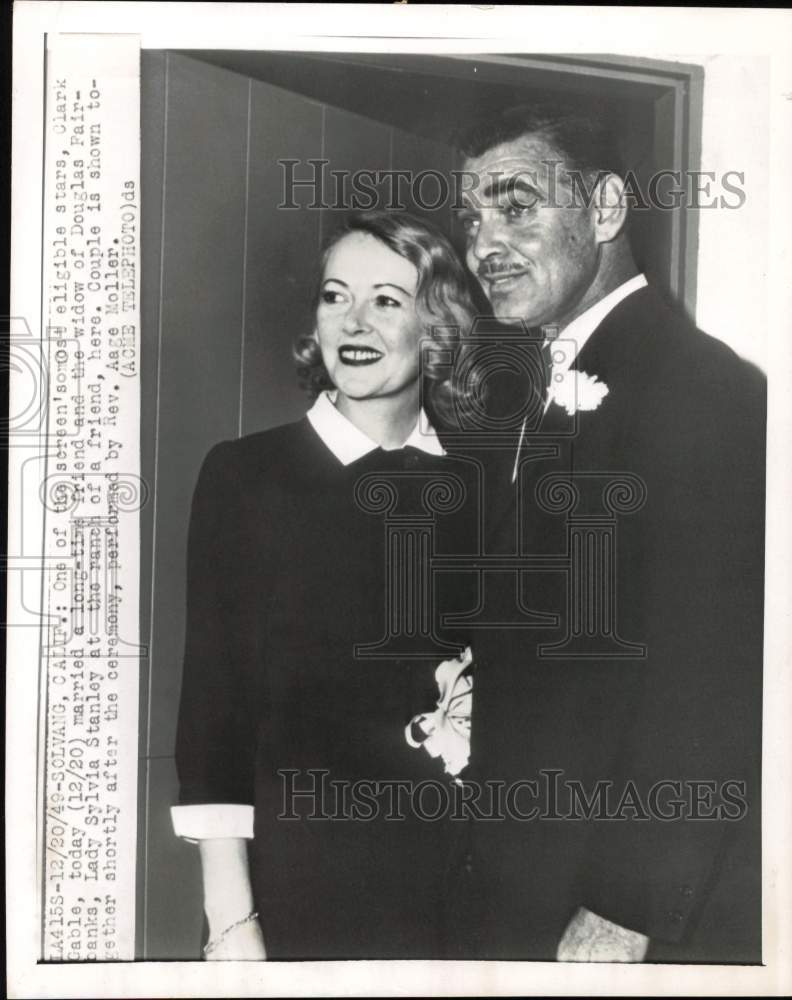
(205, 822)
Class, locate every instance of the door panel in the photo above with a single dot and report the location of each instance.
(282, 250)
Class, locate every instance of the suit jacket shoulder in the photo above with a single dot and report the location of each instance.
(672, 385)
(656, 345)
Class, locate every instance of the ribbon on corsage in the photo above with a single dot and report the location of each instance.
(445, 732)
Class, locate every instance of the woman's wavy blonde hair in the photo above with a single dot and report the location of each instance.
(443, 305)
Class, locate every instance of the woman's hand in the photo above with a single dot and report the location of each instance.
(234, 932)
(245, 943)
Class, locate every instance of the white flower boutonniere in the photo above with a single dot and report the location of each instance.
(577, 390)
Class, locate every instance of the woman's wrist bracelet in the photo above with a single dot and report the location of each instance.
(210, 946)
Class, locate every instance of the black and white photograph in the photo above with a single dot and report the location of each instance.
(398, 534)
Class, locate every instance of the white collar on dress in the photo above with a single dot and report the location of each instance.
(348, 443)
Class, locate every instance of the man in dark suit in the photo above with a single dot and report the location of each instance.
(619, 693)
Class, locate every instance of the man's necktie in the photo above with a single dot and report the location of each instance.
(549, 335)
(547, 361)
(545, 336)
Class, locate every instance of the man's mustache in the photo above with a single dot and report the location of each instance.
(488, 271)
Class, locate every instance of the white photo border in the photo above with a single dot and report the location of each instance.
(716, 39)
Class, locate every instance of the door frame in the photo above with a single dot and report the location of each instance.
(676, 88)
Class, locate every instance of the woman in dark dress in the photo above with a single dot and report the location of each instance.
(301, 674)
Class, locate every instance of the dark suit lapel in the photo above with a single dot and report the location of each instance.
(609, 351)
(552, 445)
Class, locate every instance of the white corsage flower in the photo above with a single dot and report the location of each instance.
(577, 391)
(445, 732)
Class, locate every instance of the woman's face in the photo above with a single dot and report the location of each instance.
(366, 323)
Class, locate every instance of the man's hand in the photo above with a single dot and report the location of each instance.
(589, 938)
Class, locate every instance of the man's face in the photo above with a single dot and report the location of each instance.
(531, 247)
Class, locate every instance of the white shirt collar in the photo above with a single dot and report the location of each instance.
(573, 336)
(348, 443)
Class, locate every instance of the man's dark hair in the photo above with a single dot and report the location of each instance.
(583, 135)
